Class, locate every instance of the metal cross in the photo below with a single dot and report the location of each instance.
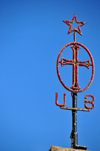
(75, 64)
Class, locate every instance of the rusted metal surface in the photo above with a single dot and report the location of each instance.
(75, 88)
(56, 148)
(57, 100)
(69, 23)
(77, 109)
(74, 36)
(91, 102)
(75, 46)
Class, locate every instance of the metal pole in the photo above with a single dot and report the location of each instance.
(74, 137)
(74, 134)
(74, 36)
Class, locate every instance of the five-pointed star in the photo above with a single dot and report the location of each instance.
(70, 25)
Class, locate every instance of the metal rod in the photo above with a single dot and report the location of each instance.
(77, 109)
(74, 36)
(74, 135)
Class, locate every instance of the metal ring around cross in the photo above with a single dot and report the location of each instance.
(75, 87)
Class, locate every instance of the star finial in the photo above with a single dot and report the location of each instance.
(70, 25)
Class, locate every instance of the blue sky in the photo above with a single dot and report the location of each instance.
(32, 33)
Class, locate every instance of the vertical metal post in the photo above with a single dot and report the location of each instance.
(74, 36)
(74, 137)
(74, 134)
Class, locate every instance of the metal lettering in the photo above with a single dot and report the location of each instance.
(57, 100)
(88, 101)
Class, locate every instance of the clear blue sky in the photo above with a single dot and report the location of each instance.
(31, 36)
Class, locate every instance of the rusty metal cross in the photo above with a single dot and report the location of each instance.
(75, 64)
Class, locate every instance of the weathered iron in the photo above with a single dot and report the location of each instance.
(70, 25)
(75, 88)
